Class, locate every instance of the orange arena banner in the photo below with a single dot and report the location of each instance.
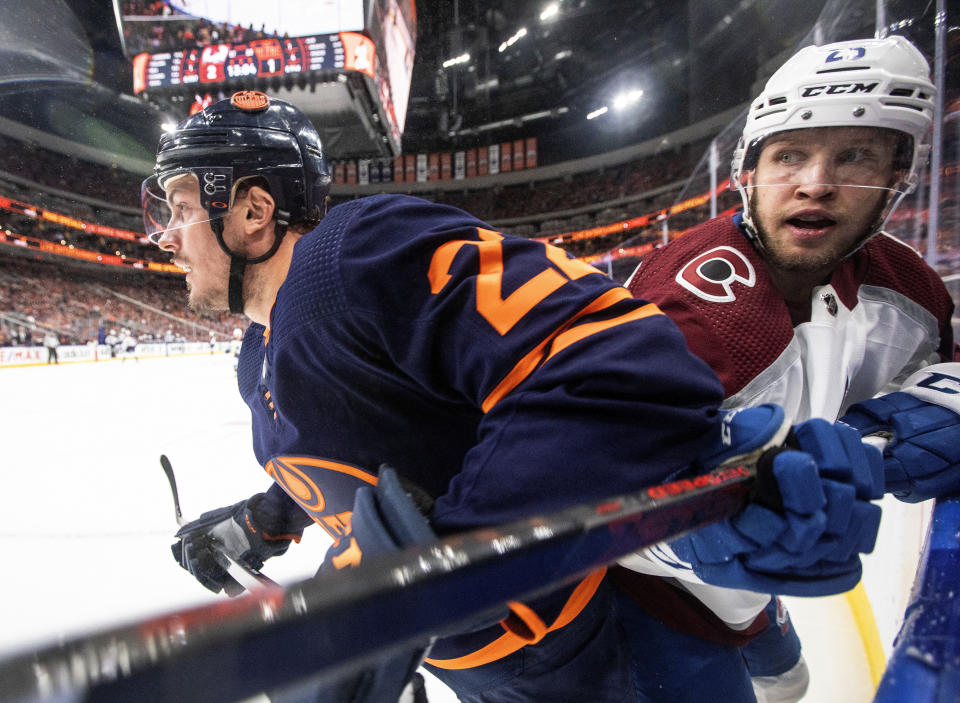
(483, 162)
(61, 219)
(158, 266)
(506, 157)
(433, 172)
(696, 201)
(38, 213)
(12, 239)
(471, 163)
(398, 169)
(409, 168)
(601, 231)
(446, 167)
(518, 152)
(635, 222)
(531, 149)
(620, 253)
(107, 231)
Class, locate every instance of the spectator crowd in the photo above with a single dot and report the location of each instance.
(77, 303)
(81, 306)
(175, 30)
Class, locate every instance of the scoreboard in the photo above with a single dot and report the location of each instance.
(261, 58)
(347, 64)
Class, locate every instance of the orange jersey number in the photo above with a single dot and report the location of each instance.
(503, 313)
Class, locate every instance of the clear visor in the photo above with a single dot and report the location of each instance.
(176, 200)
(863, 179)
(895, 191)
(861, 189)
(863, 160)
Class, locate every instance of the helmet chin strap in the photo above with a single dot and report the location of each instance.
(238, 264)
(747, 221)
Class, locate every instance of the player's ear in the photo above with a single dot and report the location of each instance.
(260, 208)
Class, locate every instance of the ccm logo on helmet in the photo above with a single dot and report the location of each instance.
(711, 275)
(839, 89)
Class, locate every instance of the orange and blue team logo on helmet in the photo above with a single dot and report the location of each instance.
(250, 100)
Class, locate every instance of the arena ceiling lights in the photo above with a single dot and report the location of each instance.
(621, 102)
(462, 58)
(550, 11)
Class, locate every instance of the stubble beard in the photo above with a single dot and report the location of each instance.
(202, 303)
(815, 260)
(807, 262)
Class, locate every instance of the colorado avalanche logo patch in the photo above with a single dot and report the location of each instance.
(711, 275)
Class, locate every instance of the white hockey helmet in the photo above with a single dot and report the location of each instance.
(237, 333)
(860, 83)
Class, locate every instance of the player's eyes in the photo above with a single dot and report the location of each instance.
(788, 158)
(858, 155)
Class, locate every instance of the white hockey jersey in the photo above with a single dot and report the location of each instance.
(883, 315)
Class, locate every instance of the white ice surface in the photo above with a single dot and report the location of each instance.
(86, 516)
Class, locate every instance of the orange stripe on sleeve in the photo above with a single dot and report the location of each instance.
(566, 334)
(524, 368)
(575, 334)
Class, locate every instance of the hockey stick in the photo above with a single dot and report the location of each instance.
(245, 575)
(339, 622)
(168, 470)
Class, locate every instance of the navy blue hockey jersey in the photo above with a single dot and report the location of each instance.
(501, 376)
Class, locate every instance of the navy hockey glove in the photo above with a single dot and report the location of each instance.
(385, 519)
(922, 424)
(234, 531)
(811, 516)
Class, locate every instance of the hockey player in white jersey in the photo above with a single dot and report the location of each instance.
(235, 344)
(803, 301)
(129, 346)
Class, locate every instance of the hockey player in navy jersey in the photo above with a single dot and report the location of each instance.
(803, 301)
(496, 376)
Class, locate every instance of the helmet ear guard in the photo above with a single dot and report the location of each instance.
(736, 165)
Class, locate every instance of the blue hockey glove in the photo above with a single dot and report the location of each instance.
(234, 531)
(922, 457)
(385, 519)
(810, 518)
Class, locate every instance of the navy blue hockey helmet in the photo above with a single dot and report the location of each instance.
(248, 134)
